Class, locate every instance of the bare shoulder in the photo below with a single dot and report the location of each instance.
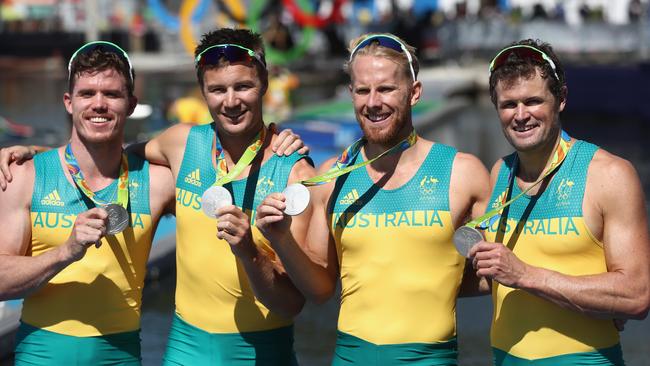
(173, 137)
(302, 170)
(19, 192)
(470, 172)
(613, 191)
(494, 172)
(324, 191)
(611, 174)
(178, 129)
(465, 161)
(496, 167)
(168, 147)
(327, 165)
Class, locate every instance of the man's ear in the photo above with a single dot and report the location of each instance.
(133, 102)
(416, 92)
(563, 95)
(67, 102)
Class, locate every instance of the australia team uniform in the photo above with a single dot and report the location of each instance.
(549, 231)
(399, 270)
(89, 313)
(218, 320)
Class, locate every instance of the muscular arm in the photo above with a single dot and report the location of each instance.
(619, 217)
(469, 195)
(19, 274)
(614, 209)
(311, 263)
(161, 191)
(165, 149)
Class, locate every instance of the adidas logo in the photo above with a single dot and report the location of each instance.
(350, 198)
(52, 199)
(194, 178)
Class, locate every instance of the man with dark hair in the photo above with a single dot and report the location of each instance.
(81, 221)
(572, 251)
(234, 301)
(386, 228)
(223, 266)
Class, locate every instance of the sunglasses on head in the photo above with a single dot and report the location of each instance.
(524, 52)
(103, 46)
(231, 52)
(388, 42)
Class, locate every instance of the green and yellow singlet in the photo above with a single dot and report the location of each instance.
(101, 293)
(399, 270)
(549, 231)
(213, 293)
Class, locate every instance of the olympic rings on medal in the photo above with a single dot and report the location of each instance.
(314, 20)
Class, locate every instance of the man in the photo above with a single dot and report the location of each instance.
(216, 306)
(80, 278)
(573, 252)
(386, 228)
(223, 268)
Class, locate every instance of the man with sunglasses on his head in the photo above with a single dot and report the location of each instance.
(78, 224)
(219, 321)
(234, 301)
(385, 228)
(571, 253)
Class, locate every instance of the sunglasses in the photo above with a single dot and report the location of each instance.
(103, 46)
(229, 51)
(387, 41)
(523, 52)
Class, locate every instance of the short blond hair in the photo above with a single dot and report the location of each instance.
(374, 49)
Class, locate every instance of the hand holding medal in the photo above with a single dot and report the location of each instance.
(118, 216)
(297, 195)
(467, 236)
(217, 196)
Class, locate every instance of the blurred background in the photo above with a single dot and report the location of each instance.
(603, 44)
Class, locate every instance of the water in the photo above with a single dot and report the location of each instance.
(472, 129)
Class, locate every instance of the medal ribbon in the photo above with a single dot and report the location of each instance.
(223, 175)
(78, 178)
(341, 166)
(560, 153)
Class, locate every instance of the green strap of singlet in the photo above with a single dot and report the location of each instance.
(122, 184)
(223, 175)
(560, 153)
(341, 166)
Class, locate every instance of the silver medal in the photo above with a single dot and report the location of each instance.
(118, 219)
(213, 199)
(296, 198)
(465, 238)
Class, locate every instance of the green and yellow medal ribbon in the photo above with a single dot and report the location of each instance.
(341, 166)
(77, 176)
(223, 175)
(560, 153)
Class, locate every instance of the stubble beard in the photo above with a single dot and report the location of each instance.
(387, 136)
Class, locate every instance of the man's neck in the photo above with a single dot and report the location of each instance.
(389, 161)
(97, 161)
(532, 164)
(234, 146)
